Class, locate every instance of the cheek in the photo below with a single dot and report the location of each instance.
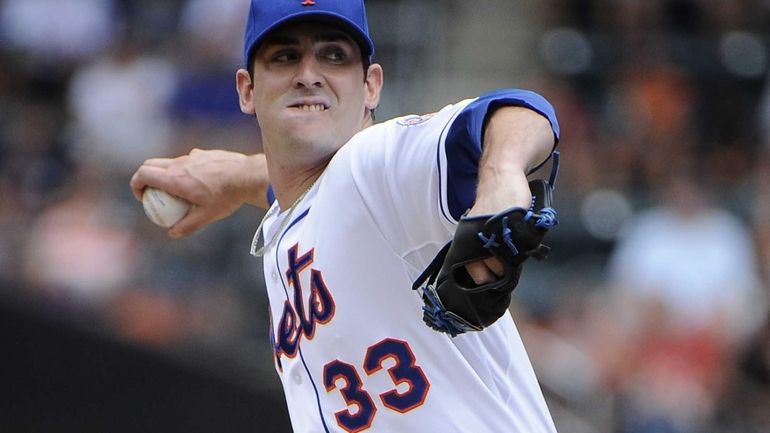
(264, 101)
(356, 96)
(267, 88)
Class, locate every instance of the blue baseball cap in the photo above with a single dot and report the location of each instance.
(267, 15)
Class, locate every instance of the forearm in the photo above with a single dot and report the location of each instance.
(516, 140)
(240, 178)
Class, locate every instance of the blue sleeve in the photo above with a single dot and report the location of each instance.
(465, 137)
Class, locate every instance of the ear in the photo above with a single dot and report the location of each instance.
(244, 87)
(373, 83)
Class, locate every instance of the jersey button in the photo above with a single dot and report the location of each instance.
(298, 379)
(275, 276)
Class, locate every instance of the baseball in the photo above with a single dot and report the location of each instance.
(163, 208)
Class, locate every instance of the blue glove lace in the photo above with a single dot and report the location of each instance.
(438, 318)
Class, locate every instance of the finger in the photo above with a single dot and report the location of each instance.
(158, 162)
(137, 187)
(480, 273)
(145, 176)
(139, 181)
(496, 266)
(182, 186)
(195, 220)
(148, 175)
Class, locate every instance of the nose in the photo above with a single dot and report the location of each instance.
(308, 73)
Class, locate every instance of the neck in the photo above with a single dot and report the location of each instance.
(290, 176)
(290, 182)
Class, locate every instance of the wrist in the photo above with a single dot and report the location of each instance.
(499, 190)
(490, 205)
(254, 181)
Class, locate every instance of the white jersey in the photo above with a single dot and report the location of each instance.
(350, 345)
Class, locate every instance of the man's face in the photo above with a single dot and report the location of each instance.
(308, 88)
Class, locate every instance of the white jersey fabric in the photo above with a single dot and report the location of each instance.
(351, 349)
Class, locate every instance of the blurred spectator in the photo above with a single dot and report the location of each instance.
(649, 123)
(761, 216)
(689, 268)
(11, 233)
(51, 30)
(120, 102)
(81, 251)
(206, 98)
(215, 27)
(37, 161)
(34, 165)
(751, 390)
(694, 258)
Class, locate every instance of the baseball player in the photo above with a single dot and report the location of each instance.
(359, 215)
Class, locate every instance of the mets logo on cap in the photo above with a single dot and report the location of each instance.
(308, 3)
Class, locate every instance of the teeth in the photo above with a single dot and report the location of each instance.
(314, 107)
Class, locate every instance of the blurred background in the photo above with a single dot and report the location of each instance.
(649, 316)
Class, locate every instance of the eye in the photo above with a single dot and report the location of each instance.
(283, 56)
(335, 54)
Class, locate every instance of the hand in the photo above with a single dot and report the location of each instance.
(216, 182)
(490, 269)
(489, 202)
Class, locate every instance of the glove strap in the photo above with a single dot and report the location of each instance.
(431, 272)
(438, 318)
(554, 170)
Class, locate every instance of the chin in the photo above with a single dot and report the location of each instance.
(301, 124)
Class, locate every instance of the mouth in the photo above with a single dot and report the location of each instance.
(310, 108)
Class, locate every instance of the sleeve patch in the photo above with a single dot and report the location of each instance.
(414, 120)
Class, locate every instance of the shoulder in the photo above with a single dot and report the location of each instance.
(407, 128)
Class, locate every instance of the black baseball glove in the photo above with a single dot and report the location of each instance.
(454, 304)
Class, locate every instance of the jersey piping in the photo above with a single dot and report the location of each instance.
(286, 292)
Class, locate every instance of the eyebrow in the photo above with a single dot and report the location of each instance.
(279, 39)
